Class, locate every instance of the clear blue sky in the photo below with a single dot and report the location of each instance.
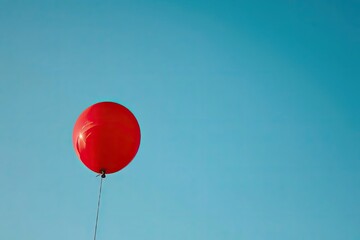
(249, 115)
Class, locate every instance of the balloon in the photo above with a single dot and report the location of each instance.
(106, 137)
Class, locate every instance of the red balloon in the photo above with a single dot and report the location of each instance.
(106, 137)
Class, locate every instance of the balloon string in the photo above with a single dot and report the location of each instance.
(98, 205)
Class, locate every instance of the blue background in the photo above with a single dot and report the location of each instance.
(249, 112)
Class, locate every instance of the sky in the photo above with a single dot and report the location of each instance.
(249, 114)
